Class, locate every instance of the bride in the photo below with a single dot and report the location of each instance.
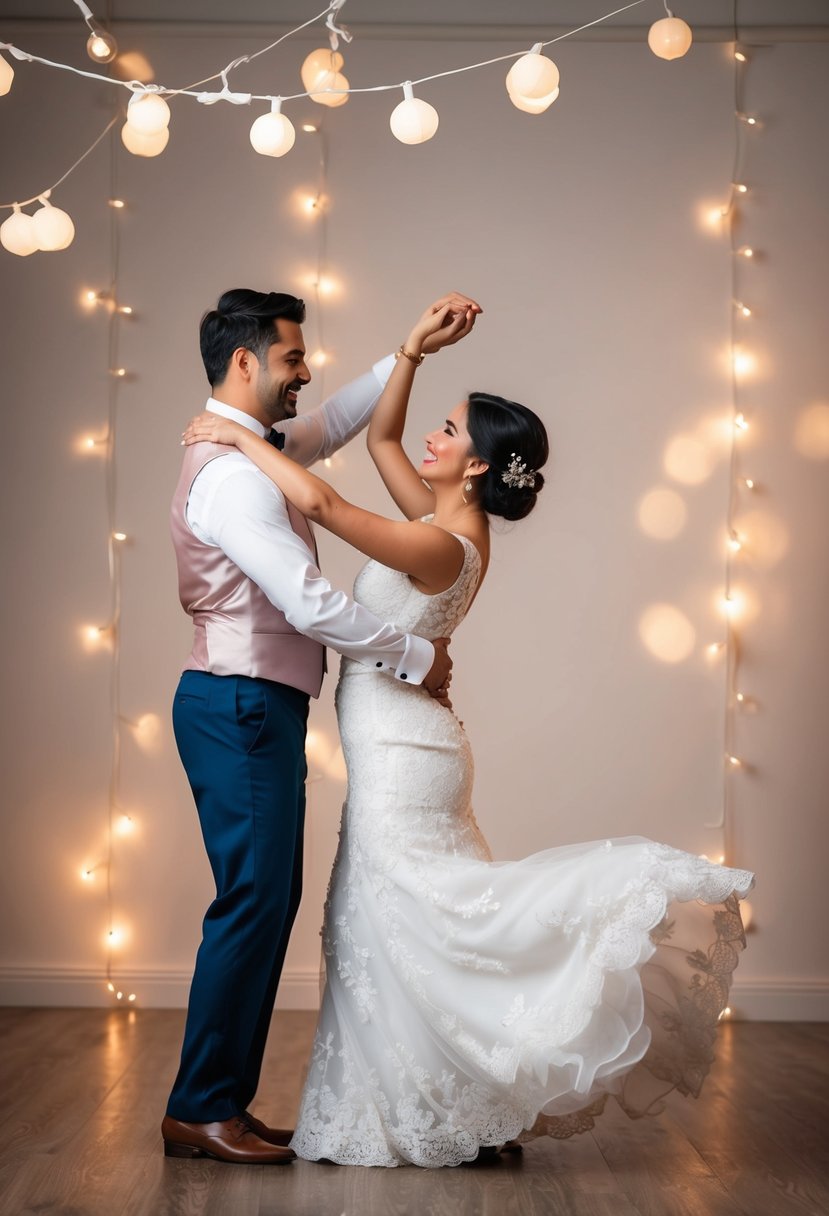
(469, 1002)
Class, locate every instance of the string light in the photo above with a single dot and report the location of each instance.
(745, 251)
(273, 134)
(670, 37)
(6, 76)
(117, 203)
(100, 45)
(413, 120)
(533, 82)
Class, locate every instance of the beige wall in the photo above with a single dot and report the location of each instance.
(607, 309)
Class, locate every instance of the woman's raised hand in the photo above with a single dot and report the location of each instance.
(446, 321)
(212, 428)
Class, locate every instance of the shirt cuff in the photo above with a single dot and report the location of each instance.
(382, 370)
(415, 663)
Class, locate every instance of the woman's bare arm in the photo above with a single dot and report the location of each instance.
(446, 321)
(429, 555)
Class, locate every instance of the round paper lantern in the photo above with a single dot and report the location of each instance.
(670, 38)
(144, 145)
(533, 105)
(413, 121)
(53, 228)
(101, 46)
(6, 76)
(319, 64)
(320, 72)
(17, 234)
(148, 113)
(532, 76)
(273, 134)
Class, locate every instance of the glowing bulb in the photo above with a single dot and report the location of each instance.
(748, 482)
(749, 119)
(731, 605)
(117, 203)
(93, 632)
(670, 38)
(413, 121)
(125, 825)
(310, 128)
(147, 731)
(533, 76)
(735, 544)
(118, 372)
(6, 76)
(319, 358)
(743, 363)
(101, 46)
(144, 145)
(745, 252)
(735, 762)
(323, 79)
(119, 536)
(87, 874)
(53, 228)
(726, 1014)
(125, 310)
(17, 233)
(740, 188)
(148, 113)
(119, 996)
(740, 423)
(742, 308)
(114, 937)
(110, 987)
(131, 996)
(715, 648)
(325, 286)
(311, 205)
(740, 56)
(273, 134)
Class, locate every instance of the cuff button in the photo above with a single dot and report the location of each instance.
(403, 676)
(378, 664)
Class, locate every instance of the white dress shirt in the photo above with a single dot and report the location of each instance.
(233, 506)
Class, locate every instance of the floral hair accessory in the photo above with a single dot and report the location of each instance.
(516, 474)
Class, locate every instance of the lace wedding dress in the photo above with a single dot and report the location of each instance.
(469, 1002)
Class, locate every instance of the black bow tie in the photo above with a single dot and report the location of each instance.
(276, 439)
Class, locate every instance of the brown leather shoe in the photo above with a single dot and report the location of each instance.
(232, 1140)
(271, 1135)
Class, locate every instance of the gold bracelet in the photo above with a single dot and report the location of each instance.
(416, 359)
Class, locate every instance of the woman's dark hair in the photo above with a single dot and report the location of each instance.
(507, 436)
(243, 318)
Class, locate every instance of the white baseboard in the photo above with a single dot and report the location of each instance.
(79, 987)
(771, 999)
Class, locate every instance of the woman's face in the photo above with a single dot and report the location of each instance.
(448, 449)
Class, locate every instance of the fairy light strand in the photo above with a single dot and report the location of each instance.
(738, 313)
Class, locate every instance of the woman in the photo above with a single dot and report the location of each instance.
(469, 1002)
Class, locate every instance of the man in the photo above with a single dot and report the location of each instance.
(263, 615)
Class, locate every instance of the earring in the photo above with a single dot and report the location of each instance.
(468, 489)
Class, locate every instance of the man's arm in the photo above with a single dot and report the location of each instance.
(247, 519)
(324, 430)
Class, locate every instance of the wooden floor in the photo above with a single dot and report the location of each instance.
(84, 1092)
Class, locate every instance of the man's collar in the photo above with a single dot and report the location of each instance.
(230, 411)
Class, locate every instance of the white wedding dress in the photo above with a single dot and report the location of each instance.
(469, 1002)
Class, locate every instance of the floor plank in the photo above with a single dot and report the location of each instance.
(84, 1092)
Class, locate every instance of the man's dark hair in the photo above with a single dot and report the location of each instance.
(243, 318)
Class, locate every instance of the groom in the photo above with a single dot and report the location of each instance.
(262, 614)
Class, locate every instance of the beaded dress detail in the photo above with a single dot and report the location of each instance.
(469, 1002)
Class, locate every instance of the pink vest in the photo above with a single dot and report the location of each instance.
(238, 630)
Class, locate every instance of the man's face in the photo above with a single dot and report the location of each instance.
(279, 379)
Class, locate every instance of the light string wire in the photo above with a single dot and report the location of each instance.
(136, 86)
(321, 206)
(113, 546)
(732, 640)
(61, 180)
